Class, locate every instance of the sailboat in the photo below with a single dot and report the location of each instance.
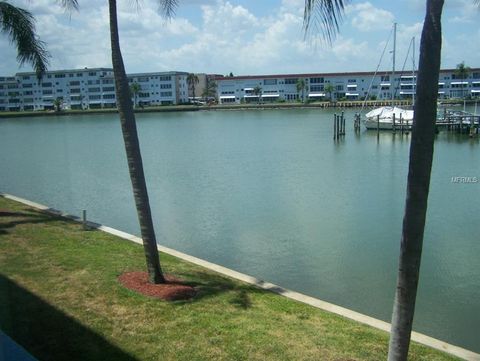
(385, 117)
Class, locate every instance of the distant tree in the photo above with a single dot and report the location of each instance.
(462, 72)
(258, 92)
(301, 88)
(135, 88)
(19, 26)
(192, 80)
(57, 103)
(329, 89)
(230, 75)
(210, 90)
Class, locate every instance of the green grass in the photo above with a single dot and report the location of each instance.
(60, 299)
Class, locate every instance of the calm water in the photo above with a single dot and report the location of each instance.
(270, 194)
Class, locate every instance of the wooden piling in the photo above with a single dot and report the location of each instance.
(378, 126)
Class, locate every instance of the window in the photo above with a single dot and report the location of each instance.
(291, 81)
(316, 80)
(26, 77)
(339, 87)
(165, 86)
(75, 83)
(476, 75)
(26, 85)
(165, 94)
(94, 90)
(94, 97)
(93, 82)
(352, 80)
(47, 92)
(75, 90)
(46, 85)
(165, 78)
(270, 82)
(385, 78)
(108, 96)
(316, 88)
(143, 79)
(79, 75)
(28, 92)
(59, 76)
(107, 81)
(143, 95)
(108, 89)
(92, 73)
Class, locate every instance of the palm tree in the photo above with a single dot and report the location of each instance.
(57, 103)
(329, 89)
(135, 88)
(132, 146)
(210, 89)
(301, 88)
(258, 92)
(462, 72)
(19, 26)
(192, 80)
(420, 162)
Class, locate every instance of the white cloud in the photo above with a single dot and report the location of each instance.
(366, 17)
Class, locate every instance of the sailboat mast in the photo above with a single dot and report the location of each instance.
(392, 82)
(414, 80)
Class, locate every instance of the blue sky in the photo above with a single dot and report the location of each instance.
(242, 36)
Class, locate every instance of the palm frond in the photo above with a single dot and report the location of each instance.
(324, 16)
(167, 8)
(19, 25)
(69, 5)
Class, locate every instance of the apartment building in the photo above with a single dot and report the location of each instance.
(87, 89)
(340, 86)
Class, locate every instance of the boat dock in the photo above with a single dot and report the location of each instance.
(459, 121)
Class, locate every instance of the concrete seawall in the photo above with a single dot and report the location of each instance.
(417, 337)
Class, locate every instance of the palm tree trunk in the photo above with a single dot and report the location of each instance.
(132, 148)
(418, 182)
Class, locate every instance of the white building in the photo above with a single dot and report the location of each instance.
(342, 86)
(87, 89)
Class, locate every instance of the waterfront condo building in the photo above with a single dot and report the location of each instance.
(340, 86)
(88, 89)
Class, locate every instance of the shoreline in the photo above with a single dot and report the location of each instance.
(194, 108)
(317, 303)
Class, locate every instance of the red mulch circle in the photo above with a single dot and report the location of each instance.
(173, 290)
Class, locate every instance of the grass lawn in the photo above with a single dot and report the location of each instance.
(60, 299)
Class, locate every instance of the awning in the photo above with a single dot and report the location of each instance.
(384, 84)
(441, 83)
(227, 97)
(250, 96)
(351, 85)
(475, 82)
(406, 84)
(441, 92)
(408, 76)
(407, 93)
(351, 94)
(247, 89)
(458, 82)
(316, 94)
(475, 91)
(270, 95)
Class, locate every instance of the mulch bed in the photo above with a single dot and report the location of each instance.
(172, 290)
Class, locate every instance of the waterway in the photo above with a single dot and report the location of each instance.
(269, 193)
